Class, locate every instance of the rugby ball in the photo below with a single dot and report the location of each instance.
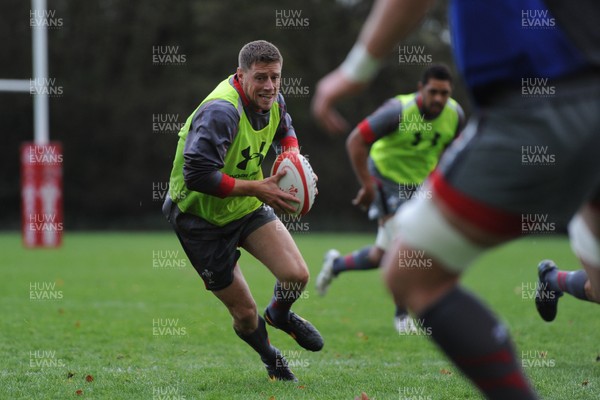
(299, 179)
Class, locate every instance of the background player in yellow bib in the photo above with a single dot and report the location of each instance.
(219, 201)
(392, 151)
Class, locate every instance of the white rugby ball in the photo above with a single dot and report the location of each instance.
(299, 179)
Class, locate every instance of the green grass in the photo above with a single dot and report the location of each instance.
(111, 293)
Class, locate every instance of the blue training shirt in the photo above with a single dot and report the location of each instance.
(502, 41)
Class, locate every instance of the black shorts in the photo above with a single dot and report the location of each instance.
(213, 250)
(389, 194)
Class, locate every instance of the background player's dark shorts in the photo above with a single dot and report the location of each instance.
(213, 250)
(389, 194)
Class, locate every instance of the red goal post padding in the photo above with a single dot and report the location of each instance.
(41, 194)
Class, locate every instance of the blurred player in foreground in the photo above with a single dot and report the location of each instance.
(481, 188)
(392, 151)
(218, 201)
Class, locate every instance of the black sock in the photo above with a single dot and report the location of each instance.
(356, 260)
(284, 295)
(572, 282)
(401, 311)
(259, 341)
(478, 344)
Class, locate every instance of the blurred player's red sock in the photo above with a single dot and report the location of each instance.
(572, 282)
(358, 259)
(478, 344)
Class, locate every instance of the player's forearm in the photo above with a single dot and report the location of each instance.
(358, 152)
(389, 22)
(243, 187)
(206, 180)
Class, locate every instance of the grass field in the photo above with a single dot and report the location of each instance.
(124, 316)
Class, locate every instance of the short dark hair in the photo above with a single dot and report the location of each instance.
(258, 51)
(436, 71)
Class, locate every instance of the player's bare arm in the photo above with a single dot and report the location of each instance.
(358, 151)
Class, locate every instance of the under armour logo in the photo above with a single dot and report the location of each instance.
(247, 156)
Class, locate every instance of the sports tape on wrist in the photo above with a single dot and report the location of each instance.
(359, 65)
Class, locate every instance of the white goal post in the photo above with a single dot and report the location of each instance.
(39, 77)
(41, 160)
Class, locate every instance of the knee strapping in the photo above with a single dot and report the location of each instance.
(583, 242)
(422, 226)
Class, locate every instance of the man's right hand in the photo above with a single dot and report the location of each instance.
(269, 193)
(330, 90)
(364, 197)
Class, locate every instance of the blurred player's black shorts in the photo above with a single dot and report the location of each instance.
(213, 250)
(532, 154)
(389, 194)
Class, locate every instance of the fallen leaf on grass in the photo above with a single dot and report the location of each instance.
(363, 396)
(79, 392)
(585, 383)
(445, 371)
(89, 378)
